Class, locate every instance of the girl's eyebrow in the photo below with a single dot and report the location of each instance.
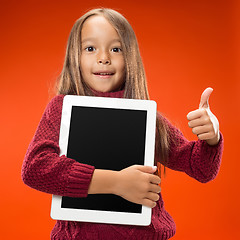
(93, 39)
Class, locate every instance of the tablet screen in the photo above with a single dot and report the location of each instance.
(107, 138)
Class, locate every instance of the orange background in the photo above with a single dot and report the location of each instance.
(186, 46)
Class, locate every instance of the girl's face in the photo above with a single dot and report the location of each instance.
(101, 62)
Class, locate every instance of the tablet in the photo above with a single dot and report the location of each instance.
(111, 134)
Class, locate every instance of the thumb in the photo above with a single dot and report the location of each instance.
(205, 97)
(146, 169)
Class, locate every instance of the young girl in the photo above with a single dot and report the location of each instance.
(102, 59)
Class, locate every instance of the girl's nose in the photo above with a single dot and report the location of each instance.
(104, 59)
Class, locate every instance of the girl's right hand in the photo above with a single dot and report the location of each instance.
(137, 184)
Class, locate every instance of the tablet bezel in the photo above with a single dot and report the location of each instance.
(97, 216)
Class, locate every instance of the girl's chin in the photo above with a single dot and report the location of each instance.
(102, 89)
(106, 87)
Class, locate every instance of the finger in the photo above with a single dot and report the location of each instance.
(148, 203)
(206, 136)
(155, 179)
(195, 114)
(199, 122)
(146, 169)
(205, 98)
(152, 196)
(155, 188)
(201, 129)
(195, 123)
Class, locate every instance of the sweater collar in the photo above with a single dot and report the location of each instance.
(116, 94)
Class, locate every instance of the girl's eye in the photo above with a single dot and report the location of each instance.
(116, 49)
(89, 49)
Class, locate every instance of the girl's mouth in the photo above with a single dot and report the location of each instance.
(103, 74)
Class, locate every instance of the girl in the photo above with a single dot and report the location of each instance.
(102, 59)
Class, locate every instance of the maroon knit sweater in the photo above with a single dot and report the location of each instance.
(44, 170)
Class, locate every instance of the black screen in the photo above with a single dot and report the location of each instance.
(110, 139)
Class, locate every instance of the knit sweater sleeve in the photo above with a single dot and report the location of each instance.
(198, 159)
(43, 168)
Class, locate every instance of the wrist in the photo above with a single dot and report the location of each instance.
(103, 182)
(116, 183)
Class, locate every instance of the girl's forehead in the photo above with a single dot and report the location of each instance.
(98, 26)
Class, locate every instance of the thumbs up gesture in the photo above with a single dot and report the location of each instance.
(203, 122)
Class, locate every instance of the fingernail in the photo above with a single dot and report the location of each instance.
(154, 168)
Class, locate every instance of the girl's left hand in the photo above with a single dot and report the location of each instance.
(203, 122)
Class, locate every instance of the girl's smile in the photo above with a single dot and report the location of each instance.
(101, 62)
(104, 74)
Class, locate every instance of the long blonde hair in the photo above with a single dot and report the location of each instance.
(71, 82)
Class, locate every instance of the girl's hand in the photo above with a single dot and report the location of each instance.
(203, 122)
(138, 184)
